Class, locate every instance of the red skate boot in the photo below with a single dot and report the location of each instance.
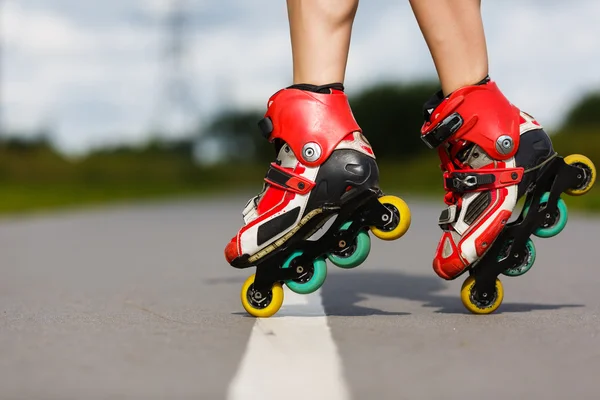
(492, 154)
(320, 198)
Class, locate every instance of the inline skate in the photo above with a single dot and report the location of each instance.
(493, 155)
(320, 199)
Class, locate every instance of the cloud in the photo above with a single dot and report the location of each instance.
(86, 83)
(92, 71)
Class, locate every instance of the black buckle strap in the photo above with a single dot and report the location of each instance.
(463, 182)
(278, 176)
(443, 130)
(288, 181)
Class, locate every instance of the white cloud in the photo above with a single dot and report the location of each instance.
(91, 85)
(93, 71)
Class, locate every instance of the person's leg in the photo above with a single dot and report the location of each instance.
(320, 32)
(324, 167)
(485, 143)
(453, 31)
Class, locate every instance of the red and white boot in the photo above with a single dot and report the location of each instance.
(485, 146)
(325, 171)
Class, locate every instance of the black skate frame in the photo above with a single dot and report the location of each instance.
(555, 177)
(361, 207)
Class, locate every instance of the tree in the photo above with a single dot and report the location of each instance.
(585, 113)
(391, 117)
(389, 114)
(238, 135)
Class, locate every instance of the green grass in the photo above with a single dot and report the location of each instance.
(35, 198)
(43, 197)
(420, 177)
(40, 181)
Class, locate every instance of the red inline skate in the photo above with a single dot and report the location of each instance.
(492, 154)
(320, 198)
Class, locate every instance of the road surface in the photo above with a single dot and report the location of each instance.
(137, 302)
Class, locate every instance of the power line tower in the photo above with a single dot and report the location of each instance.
(177, 109)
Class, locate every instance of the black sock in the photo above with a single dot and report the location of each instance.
(483, 81)
(318, 89)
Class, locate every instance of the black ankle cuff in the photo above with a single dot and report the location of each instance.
(483, 81)
(318, 89)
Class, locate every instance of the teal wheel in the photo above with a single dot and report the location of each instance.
(524, 260)
(553, 224)
(312, 276)
(352, 254)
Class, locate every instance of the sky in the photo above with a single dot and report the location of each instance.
(93, 72)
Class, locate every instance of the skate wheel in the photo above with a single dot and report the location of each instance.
(353, 255)
(401, 221)
(526, 263)
(587, 165)
(553, 224)
(313, 275)
(478, 307)
(265, 307)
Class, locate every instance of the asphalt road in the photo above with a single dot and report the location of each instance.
(137, 302)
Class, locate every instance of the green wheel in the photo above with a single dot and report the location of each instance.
(313, 277)
(554, 224)
(526, 261)
(354, 254)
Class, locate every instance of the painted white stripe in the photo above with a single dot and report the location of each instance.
(291, 356)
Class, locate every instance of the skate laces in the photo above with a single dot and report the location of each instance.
(541, 165)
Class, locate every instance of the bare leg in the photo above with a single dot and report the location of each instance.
(454, 33)
(320, 32)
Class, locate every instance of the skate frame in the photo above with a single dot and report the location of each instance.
(362, 208)
(556, 177)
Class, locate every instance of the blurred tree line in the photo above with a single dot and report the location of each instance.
(390, 115)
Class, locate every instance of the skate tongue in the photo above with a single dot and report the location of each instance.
(249, 213)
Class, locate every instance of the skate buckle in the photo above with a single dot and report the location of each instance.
(465, 180)
(442, 131)
(460, 184)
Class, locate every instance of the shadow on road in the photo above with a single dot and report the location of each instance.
(342, 291)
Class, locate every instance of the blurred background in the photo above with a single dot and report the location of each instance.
(138, 99)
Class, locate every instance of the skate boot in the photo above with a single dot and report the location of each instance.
(492, 155)
(320, 198)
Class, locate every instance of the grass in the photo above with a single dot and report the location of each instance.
(43, 197)
(18, 199)
(420, 177)
(39, 181)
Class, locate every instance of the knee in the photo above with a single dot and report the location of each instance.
(335, 12)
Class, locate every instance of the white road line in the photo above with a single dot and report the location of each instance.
(291, 356)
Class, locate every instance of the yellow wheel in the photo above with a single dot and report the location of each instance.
(477, 306)
(264, 307)
(401, 219)
(590, 170)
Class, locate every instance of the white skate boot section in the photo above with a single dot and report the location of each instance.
(291, 355)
